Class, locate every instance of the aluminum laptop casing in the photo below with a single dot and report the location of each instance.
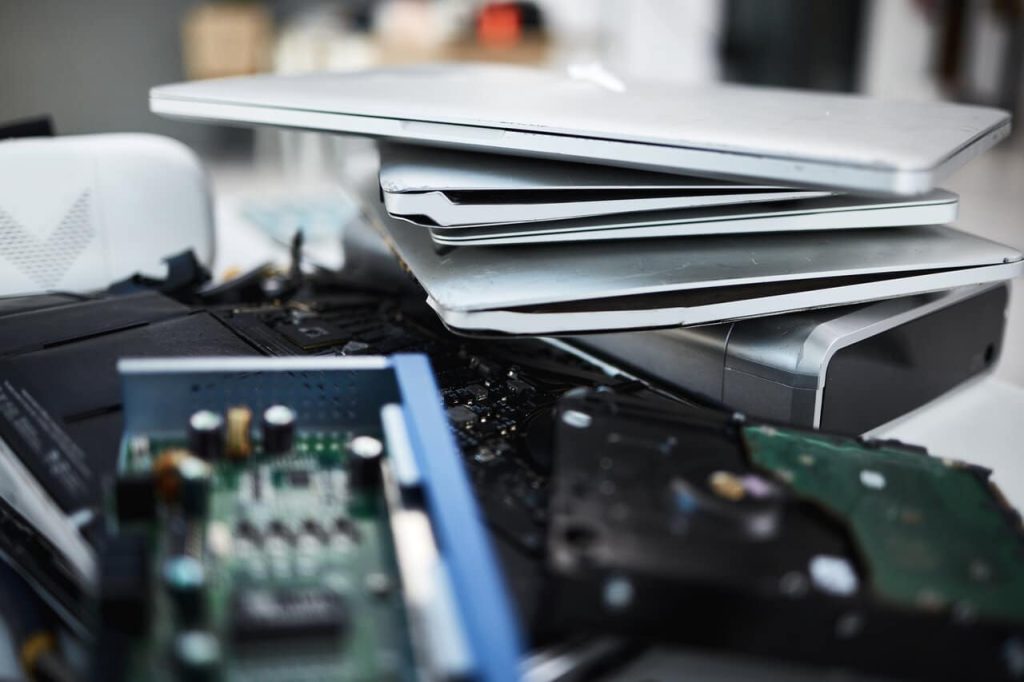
(836, 212)
(415, 168)
(651, 283)
(451, 188)
(836, 141)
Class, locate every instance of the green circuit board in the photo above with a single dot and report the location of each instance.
(299, 576)
(934, 533)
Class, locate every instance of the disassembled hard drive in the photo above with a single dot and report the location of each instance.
(763, 539)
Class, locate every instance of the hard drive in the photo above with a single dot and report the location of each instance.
(715, 532)
(847, 369)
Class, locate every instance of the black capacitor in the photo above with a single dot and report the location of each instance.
(195, 477)
(364, 462)
(197, 656)
(185, 581)
(278, 429)
(206, 434)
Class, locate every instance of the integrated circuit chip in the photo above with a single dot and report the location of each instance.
(265, 614)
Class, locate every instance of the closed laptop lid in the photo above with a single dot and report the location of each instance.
(486, 278)
(415, 168)
(781, 136)
(449, 187)
(823, 213)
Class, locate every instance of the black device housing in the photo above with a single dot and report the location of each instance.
(624, 560)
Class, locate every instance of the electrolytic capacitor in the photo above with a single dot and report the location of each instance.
(238, 444)
(185, 581)
(364, 462)
(195, 486)
(197, 656)
(278, 429)
(206, 435)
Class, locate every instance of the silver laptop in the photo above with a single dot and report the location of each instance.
(469, 198)
(782, 137)
(450, 188)
(652, 283)
(770, 139)
(835, 212)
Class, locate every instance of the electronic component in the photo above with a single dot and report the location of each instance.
(364, 462)
(605, 286)
(125, 583)
(194, 475)
(185, 579)
(135, 497)
(166, 470)
(848, 369)
(261, 615)
(780, 136)
(197, 656)
(780, 543)
(930, 531)
(278, 429)
(206, 434)
(239, 432)
(285, 560)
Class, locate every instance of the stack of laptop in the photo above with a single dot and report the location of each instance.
(532, 246)
(529, 202)
(474, 199)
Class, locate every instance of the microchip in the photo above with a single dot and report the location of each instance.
(460, 415)
(298, 479)
(519, 387)
(260, 615)
(126, 582)
(478, 391)
(314, 334)
(135, 496)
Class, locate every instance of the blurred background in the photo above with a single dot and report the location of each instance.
(89, 65)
